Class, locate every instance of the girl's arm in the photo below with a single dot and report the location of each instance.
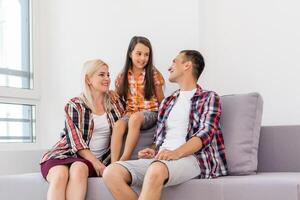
(159, 83)
(159, 93)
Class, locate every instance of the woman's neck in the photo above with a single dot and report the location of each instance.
(98, 99)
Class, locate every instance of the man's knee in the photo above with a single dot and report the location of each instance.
(157, 172)
(115, 173)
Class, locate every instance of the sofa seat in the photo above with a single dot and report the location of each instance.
(275, 186)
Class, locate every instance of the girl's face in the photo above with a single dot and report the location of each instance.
(100, 80)
(140, 56)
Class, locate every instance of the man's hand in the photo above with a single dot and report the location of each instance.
(146, 153)
(166, 154)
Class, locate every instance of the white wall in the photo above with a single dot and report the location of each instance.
(254, 46)
(73, 31)
(248, 46)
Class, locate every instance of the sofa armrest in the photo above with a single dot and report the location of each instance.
(279, 148)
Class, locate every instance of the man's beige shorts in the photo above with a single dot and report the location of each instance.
(180, 170)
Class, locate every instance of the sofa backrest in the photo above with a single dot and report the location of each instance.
(279, 149)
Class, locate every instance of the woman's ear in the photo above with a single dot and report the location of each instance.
(87, 80)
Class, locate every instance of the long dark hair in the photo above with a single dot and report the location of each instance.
(149, 82)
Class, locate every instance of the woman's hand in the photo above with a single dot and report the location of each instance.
(99, 167)
(146, 153)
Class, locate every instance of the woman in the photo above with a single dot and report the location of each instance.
(83, 150)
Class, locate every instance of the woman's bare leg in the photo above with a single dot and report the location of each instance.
(77, 185)
(58, 179)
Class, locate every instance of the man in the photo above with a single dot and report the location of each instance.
(188, 141)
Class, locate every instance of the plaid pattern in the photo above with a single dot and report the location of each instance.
(135, 96)
(79, 126)
(203, 123)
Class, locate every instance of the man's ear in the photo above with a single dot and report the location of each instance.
(188, 65)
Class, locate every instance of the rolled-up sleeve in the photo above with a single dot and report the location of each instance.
(75, 127)
(210, 113)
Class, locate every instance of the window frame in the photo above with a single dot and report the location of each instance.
(24, 96)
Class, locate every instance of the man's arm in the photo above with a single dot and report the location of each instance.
(188, 148)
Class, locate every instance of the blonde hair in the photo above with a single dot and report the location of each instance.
(89, 68)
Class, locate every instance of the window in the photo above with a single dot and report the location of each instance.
(17, 123)
(17, 116)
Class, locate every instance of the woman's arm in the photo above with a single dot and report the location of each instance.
(74, 126)
(88, 155)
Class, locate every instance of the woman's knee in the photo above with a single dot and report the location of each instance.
(58, 175)
(79, 171)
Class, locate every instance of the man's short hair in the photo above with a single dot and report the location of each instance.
(197, 59)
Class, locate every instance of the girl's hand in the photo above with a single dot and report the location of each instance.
(146, 153)
(99, 167)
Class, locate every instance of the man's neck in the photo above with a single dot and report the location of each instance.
(188, 85)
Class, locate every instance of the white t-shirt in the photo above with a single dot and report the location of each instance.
(178, 120)
(101, 135)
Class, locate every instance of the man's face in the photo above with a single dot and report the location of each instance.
(177, 68)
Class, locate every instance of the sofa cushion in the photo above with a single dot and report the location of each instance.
(275, 186)
(240, 123)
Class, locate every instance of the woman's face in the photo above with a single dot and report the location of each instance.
(100, 80)
(140, 56)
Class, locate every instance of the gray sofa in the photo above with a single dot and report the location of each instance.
(276, 175)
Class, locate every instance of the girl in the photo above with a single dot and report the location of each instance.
(83, 150)
(140, 84)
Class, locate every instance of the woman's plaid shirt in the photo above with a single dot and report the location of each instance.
(79, 126)
(203, 123)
